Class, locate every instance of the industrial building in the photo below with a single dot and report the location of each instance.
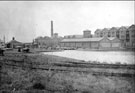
(46, 42)
(107, 38)
(86, 34)
(93, 43)
(14, 43)
(87, 41)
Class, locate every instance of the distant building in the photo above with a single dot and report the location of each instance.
(55, 35)
(73, 36)
(121, 34)
(98, 33)
(113, 31)
(93, 43)
(131, 36)
(2, 45)
(87, 34)
(14, 44)
(45, 42)
(109, 32)
(124, 33)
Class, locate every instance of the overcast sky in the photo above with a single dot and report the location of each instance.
(27, 20)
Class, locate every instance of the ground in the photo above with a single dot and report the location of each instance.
(32, 73)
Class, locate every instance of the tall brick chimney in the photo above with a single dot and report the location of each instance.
(51, 28)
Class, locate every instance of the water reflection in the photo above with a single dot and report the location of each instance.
(100, 56)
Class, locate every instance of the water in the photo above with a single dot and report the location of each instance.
(100, 56)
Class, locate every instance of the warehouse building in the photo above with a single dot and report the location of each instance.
(92, 43)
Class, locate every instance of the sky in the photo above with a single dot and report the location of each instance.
(26, 20)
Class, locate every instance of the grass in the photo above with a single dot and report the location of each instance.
(19, 80)
(61, 82)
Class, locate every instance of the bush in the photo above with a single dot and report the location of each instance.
(38, 86)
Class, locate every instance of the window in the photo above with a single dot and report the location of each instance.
(127, 32)
(121, 32)
(108, 34)
(117, 36)
(101, 35)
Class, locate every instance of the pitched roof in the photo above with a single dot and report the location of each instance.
(14, 41)
(111, 38)
(87, 39)
(81, 40)
(132, 26)
(73, 36)
(98, 30)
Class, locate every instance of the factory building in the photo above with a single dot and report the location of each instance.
(107, 38)
(93, 43)
(46, 42)
(14, 44)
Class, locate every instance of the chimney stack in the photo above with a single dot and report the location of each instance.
(13, 38)
(51, 28)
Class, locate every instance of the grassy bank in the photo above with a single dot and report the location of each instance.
(17, 79)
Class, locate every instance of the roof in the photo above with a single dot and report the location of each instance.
(111, 38)
(81, 40)
(86, 39)
(107, 28)
(132, 26)
(14, 41)
(28, 43)
(73, 36)
(123, 27)
(98, 30)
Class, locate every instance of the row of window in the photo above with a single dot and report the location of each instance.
(109, 34)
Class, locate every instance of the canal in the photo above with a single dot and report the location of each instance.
(99, 56)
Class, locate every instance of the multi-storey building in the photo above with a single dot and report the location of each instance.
(121, 34)
(45, 42)
(105, 32)
(125, 34)
(113, 31)
(98, 33)
(131, 35)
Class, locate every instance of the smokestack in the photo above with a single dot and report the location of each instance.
(51, 28)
